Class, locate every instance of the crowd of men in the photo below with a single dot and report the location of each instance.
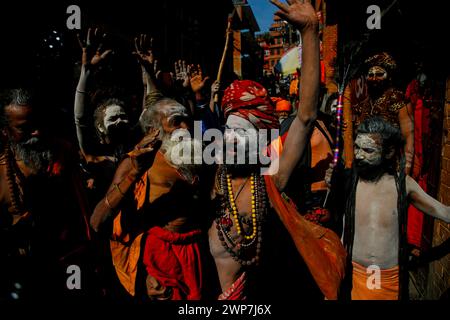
(142, 225)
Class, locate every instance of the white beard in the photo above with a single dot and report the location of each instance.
(181, 154)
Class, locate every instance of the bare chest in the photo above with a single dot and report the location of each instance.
(376, 205)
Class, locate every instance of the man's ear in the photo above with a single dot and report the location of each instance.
(101, 129)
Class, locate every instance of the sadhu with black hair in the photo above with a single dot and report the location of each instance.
(376, 199)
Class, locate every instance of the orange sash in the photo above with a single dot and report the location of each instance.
(320, 248)
(389, 284)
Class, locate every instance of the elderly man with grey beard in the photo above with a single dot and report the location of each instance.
(154, 206)
(42, 207)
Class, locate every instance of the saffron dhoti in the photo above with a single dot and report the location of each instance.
(388, 288)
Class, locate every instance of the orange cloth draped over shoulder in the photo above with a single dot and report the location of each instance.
(126, 244)
(388, 289)
(320, 248)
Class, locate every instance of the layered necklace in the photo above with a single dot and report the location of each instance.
(229, 216)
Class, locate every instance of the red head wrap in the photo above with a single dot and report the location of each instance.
(249, 100)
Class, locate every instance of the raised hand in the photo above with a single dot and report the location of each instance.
(144, 152)
(144, 54)
(182, 72)
(94, 41)
(299, 13)
(196, 79)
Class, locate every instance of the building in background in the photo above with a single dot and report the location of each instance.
(276, 42)
(247, 55)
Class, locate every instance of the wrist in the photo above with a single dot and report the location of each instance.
(309, 29)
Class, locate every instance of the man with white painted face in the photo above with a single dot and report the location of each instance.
(246, 232)
(385, 101)
(376, 201)
(103, 127)
(43, 210)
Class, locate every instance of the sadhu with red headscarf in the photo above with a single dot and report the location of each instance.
(245, 198)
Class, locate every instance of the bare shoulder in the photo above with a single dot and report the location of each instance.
(411, 185)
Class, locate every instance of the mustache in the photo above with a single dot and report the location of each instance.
(31, 142)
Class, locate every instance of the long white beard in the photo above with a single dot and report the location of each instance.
(184, 155)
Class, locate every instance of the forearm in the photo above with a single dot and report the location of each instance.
(297, 137)
(425, 203)
(309, 83)
(409, 153)
(124, 179)
(80, 117)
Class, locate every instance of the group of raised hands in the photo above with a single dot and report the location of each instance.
(188, 76)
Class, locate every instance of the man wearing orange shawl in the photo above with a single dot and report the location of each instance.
(243, 195)
(155, 204)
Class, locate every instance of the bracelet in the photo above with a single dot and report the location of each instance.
(116, 186)
(107, 203)
(82, 92)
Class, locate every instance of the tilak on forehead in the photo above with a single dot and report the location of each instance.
(249, 100)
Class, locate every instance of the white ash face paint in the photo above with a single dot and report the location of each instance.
(368, 149)
(114, 116)
(377, 73)
(241, 141)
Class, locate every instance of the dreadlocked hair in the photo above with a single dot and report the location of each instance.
(391, 140)
(402, 208)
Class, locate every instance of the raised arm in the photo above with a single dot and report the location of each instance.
(303, 17)
(149, 68)
(129, 170)
(89, 61)
(425, 203)
(183, 82)
(197, 83)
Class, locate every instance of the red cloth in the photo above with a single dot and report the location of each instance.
(421, 129)
(249, 100)
(237, 290)
(174, 260)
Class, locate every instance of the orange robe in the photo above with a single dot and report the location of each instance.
(159, 183)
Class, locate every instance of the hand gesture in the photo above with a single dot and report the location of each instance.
(299, 13)
(196, 79)
(144, 153)
(182, 72)
(93, 42)
(144, 54)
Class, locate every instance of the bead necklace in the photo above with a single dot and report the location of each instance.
(224, 222)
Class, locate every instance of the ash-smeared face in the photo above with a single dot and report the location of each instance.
(368, 150)
(377, 78)
(377, 73)
(116, 120)
(241, 140)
